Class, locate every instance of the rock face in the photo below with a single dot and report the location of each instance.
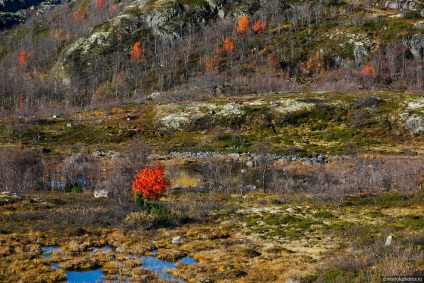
(415, 124)
(415, 44)
(177, 18)
(8, 19)
(404, 5)
(16, 5)
(359, 53)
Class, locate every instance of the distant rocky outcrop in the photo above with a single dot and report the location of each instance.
(16, 5)
(415, 44)
(9, 19)
(403, 5)
(13, 12)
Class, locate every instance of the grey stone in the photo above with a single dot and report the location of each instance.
(403, 5)
(101, 193)
(178, 240)
(389, 240)
(359, 53)
(415, 44)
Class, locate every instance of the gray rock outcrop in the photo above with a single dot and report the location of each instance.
(414, 123)
(403, 5)
(359, 53)
(8, 19)
(16, 5)
(415, 44)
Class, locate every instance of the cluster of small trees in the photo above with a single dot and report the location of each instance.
(23, 170)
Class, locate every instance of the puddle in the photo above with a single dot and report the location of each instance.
(105, 248)
(54, 265)
(89, 276)
(188, 260)
(48, 251)
(84, 276)
(159, 266)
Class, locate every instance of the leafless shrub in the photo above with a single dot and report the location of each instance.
(82, 170)
(124, 168)
(221, 175)
(21, 170)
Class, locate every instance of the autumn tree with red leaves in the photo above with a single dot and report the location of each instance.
(137, 55)
(260, 26)
(100, 4)
(369, 71)
(23, 57)
(150, 183)
(79, 15)
(243, 24)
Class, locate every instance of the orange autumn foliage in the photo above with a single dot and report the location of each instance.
(138, 53)
(21, 101)
(23, 57)
(315, 63)
(369, 70)
(213, 64)
(259, 26)
(79, 15)
(229, 45)
(243, 24)
(100, 4)
(150, 183)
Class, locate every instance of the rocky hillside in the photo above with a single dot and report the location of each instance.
(89, 53)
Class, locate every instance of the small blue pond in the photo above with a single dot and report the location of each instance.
(93, 276)
(159, 266)
(90, 276)
(48, 251)
(105, 248)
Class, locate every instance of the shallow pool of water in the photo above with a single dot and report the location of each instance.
(104, 248)
(90, 276)
(48, 251)
(159, 266)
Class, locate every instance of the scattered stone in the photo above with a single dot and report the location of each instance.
(251, 187)
(178, 240)
(101, 193)
(99, 153)
(389, 240)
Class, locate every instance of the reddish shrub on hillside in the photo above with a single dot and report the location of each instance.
(259, 26)
(150, 183)
(243, 24)
(137, 55)
(23, 57)
(100, 4)
(229, 45)
(369, 70)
